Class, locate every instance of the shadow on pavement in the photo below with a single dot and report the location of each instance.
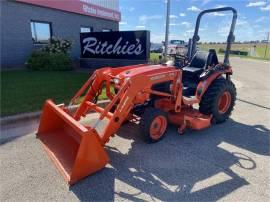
(195, 166)
(12, 131)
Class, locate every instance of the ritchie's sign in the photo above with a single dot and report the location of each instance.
(131, 45)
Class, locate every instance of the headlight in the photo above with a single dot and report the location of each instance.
(116, 81)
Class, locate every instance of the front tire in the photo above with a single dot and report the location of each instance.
(153, 124)
(219, 100)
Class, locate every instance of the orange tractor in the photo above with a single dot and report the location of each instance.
(157, 95)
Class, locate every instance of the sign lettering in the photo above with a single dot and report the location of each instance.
(116, 45)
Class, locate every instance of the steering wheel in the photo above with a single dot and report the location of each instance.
(180, 61)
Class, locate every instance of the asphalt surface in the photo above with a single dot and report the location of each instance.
(227, 162)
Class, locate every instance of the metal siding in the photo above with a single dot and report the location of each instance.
(16, 35)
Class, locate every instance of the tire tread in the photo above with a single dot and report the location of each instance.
(208, 104)
(146, 120)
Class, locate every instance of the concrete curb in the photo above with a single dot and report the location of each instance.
(33, 115)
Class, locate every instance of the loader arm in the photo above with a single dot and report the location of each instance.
(134, 89)
(77, 149)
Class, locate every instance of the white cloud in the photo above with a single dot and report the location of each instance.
(262, 19)
(157, 37)
(190, 31)
(256, 26)
(174, 24)
(206, 1)
(182, 14)
(144, 18)
(194, 9)
(266, 8)
(217, 14)
(130, 9)
(187, 24)
(173, 17)
(263, 31)
(256, 4)
(241, 22)
(140, 27)
(122, 23)
(203, 2)
(221, 6)
(243, 30)
(174, 36)
(223, 31)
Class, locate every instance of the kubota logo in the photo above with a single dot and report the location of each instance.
(161, 76)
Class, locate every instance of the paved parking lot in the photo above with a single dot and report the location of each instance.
(228, 162)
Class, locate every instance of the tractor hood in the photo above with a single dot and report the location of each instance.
(145, 70)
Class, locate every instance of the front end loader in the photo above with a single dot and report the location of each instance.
(156, 95)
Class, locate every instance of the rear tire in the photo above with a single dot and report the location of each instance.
(219, 100)
(153, 124)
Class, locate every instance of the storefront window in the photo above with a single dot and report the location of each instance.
(41, 32)
(86, 29)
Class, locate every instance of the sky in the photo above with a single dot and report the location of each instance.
(252, 24)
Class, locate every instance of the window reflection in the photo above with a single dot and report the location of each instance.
(41, 32)
(86, 29)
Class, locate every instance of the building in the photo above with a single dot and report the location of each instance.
(29, 24)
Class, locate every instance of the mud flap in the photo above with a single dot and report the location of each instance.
(75, 150)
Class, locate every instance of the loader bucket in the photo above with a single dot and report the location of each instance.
(75, 150)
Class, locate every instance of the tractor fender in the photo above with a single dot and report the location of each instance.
(204, 84)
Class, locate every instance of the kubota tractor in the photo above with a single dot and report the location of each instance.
(157, 95)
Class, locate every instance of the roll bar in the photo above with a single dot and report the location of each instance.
(230, 37)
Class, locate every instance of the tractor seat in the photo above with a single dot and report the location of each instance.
(192, 70)
(200, 62)
(191, 73)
